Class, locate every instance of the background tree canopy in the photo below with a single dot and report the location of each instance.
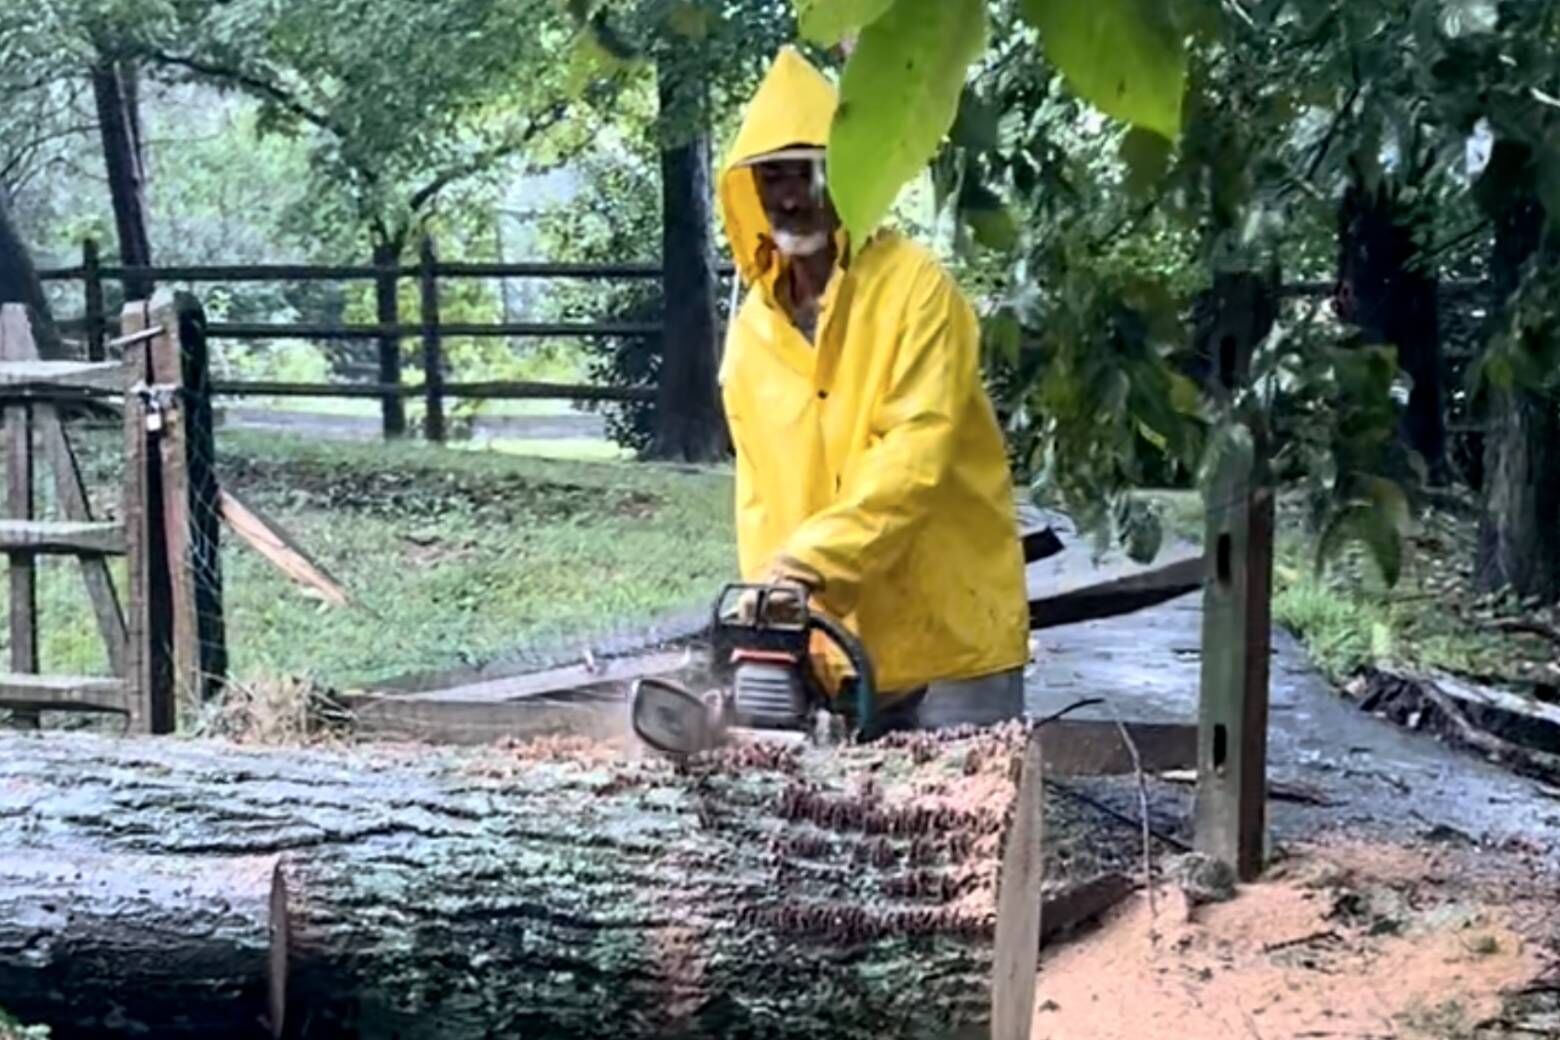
(1109, 180)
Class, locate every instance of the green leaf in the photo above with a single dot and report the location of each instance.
(1384, 543)
(826, 22)
(1147, 155)
(1125, 57)
(1003, 337)
(898, 97)
(994, 228)
(1184, 395)
(1391, 501)
(588, 62)
(1152, 436)
(992, 222)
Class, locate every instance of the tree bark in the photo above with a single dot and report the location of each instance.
(690, 426)
(1392, 301)
(387, 312)
(557, 888)
(1519, 532)
(19, 284)
(114, 87)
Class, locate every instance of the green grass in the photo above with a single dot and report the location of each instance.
(368, 408)
(578, 449)
(451, 557)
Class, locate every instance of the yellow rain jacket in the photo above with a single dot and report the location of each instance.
(871, 459)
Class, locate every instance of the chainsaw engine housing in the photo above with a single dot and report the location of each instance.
(768, 692)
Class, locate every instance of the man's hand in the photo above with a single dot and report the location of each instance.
(778, 576)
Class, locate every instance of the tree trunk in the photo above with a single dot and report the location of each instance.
(114, 87)
(690, 426)
(19, 284)
(1392, 301)
(1519, 533)
(387, 312)
(553, 889)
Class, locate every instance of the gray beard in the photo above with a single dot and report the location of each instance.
(793, 245)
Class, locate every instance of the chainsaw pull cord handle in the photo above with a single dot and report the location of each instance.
(856, 654)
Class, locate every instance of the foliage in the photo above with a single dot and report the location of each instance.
(688, 66)
(472, 85)
(1243, 125)
(926, 47)
(616, 218)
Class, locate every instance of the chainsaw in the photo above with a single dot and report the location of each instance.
(761, 637)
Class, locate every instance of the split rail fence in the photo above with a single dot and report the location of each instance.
(388, 330)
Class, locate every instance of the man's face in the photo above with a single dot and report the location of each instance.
(798, 207)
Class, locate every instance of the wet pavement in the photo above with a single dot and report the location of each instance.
(560, 426)
(1377, 779)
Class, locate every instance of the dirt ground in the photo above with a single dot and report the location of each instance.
(1341, 939)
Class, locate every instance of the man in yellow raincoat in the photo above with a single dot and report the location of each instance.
(869, 463)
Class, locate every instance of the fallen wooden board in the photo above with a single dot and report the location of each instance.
(267, 538)
(1041, 545)
(1277, 790)
(1089, 747)
(560, 680)
(672, 631)
(467, 723)
(1064, 911)
(1118, 595)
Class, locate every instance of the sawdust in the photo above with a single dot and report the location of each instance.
(1352, 940)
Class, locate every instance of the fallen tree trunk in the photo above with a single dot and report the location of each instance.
(553, 889)
(102, 932)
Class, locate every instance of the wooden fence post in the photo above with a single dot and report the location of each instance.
(191, 511)
(387, 310)
(1231, 815)
(92, 288)
(149, 608)
(14, 330)
(433, 357)
(204, 497)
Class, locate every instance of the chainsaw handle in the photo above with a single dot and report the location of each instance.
(860, 660)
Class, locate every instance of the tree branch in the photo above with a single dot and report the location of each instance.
(24, 153)
(1325, 145)
(252, 84)
(546, 121)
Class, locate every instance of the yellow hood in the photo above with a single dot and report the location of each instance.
(793, 106)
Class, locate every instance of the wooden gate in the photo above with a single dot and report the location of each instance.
(164, 640)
